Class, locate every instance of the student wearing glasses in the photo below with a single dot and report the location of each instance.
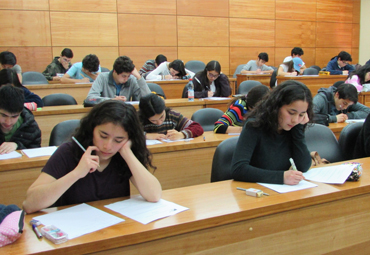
(211, 82)
(59, 65)
(339, 64)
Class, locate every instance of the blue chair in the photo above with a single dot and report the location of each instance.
(58, 99)
(157, 89)
(246, 86)
(62, 132)
(221, 164)
(33, 78)
(195, 66)
(347, 139)
(207, 117)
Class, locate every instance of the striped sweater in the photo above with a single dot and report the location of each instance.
(175, 120)
(232, 117)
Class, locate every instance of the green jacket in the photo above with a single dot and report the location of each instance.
(53, 68)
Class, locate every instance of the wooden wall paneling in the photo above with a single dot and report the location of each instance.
(333, 35)
(84, 29)
(355, 35)
(31, 58)
(323, 55)
(356, 10)
(335, 11)
(85, 6)
(241, 55)
(263, 9)
(252, 32)
(147, 6)
(140, 55)
(290, 33)
(309, 56)
(24, 5)
(17, 30)
(299, 10)
(213, 8)
(146, 30)
(106, 55)
(206, 54)
(202, 31)
(355, 56)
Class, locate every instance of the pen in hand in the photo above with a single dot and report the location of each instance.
(80, 145)
(293, 164)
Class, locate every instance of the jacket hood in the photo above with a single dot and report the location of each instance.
(327, 92)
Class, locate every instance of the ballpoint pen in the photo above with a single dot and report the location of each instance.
(80, 145)
(293, 164)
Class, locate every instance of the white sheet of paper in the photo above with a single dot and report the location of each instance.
(171, 141)
(330, 174)
(217, 98)
(10, 155)
(284, 188)
(38, 152)
(79, 220)
(354, 120)
(139, 209)
(132, 102)
(234, 133)
(152, 142)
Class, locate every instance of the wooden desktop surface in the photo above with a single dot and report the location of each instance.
(172, 89)
(262, 78)
(336, 128)
(314, 83)
(178, 164)
(49, 116)
(328, 219)
(364, 98)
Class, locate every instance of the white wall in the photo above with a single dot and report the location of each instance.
(364, 32)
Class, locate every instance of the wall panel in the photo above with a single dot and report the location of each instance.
(355, 56)
(140, 55)
(252, 32)
(147, 6)
(17, 30)
(241, 55)
(202, 31)
(213, 8)
(206, 54)
(299, 10)
(335, 11)
(355, 35)
(333, 35)
(24, 4)
(356, 11)
(146, 30)
(302, 34)
(82, 29)
(262, 9)
(31, 58)
(85, 6)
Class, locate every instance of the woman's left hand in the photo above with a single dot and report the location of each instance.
(174, 135)
(305, 119)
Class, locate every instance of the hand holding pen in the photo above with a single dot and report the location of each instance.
(293, 177)
(88, 163)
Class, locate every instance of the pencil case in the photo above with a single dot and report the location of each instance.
(356, 172)
(54, 234)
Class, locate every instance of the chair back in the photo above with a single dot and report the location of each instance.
(104, 69)
(273, 79)
(207, 117)
(320, 138)
(62, 132)
(238, 70)
(221, 164)
(337, 83)
(310, 71)
(246, 86)
(348, 138)
(58, 99)
(33, 78)
(195, 66)
(316, 67)
(156, 88)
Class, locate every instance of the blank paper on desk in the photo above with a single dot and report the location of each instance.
(330, 174)
(10, 155)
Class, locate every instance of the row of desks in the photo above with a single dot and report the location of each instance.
(328, 219)
(16, 175)
(311, 81)
(172, 89)
(49, 116)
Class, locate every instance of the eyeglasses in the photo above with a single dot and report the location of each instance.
(213, 76)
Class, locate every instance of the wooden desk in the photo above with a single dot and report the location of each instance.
(179, 164)
(49, 116)
(172, 89)
(328, 219)
(314, 83)
(337, 128)
(364, 98)
(262, 78)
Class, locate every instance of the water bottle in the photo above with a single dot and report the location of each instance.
(191, 90)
